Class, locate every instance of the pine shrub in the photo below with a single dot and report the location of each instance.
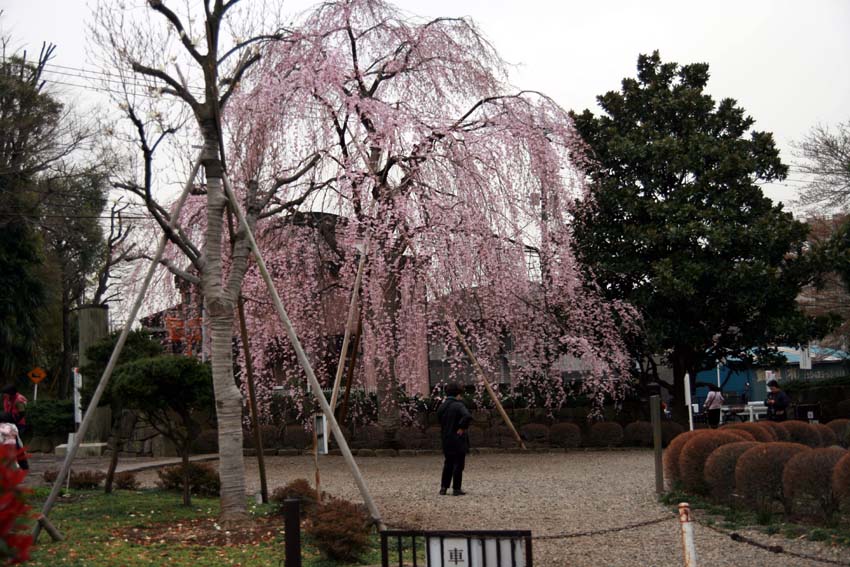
(606, 434)
(126, 481)
(807, 480)
(759, 433)
(758, 474)
(299, 489)
(638, 434)
(535, 433)
(720, 469)
(86, 480)
(801, 432)
(671, 455)
(694, 454)
(203, 479)
(566, 435)
(828, 438)
(669, 431)
(206, 442)
(841, 428)
(779, 432)
(841, 482)
(340, 529)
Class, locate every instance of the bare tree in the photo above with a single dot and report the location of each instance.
(824, 155)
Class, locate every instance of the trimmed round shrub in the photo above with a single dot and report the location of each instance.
(206, 442)
(759, 433)
(740, 434)
(606, 434)
(271, 437)
(807, 482)
(841, 428)
(414, 438)
(126, 481)
(801, 432)
(340, 529)
(434, 436)
(367, 437)
(779, 432)
(671, 455)
(694, 454)
(203, 479)
(638, 434)
(841, 482)
(296, 437)
(719, 472)
(299, 489)
(535, 433)
(843, 408)
(669, 431)
(758, 474)
(566, 435)
(828, 438)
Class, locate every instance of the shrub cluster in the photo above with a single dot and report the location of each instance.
(299, 489)
(841, 482)
(126, 481)
(606, 434)
(638, 434)
(340, 529)
(758, 474)
(720, 469)
(828, 438)
(671, 455)
(566, 435)
(779, 432)
(669, 431)
(841, 428)
(756, 430)
(801, 432)
(206, 442)
(86, 480)
(203, 479)
(807, 482)
(695, 453)
(535, 433)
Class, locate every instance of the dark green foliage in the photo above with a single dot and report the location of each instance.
(139, 344)
(203, 479)
(86, 480)
(340, 529)
(566, 435)
(299, 489)
(606, 434)
(126, 481)
(678, 226)
(51, 417)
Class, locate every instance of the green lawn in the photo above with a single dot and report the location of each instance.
(123, 529)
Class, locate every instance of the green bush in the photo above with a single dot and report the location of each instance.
(203, 479)
(51, 418)
(638, 434)
(807, 479)
(758, 474)
(606, 434)
(720, 469)
(299, 489)
(566, 435)
(340, 529)
(694, 454)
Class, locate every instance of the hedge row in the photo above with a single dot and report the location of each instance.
(797, 465)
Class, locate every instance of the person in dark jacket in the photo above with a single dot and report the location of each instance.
(777, 402)
(454, 423)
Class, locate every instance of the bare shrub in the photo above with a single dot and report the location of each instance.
(841, 428)
(566, 435)
(126, 481)
(801, 432)
(203, 479)
(719, 472)
(638, 433)
(86, 480)
(694, 454)
(758, 474)
(606, 434)
(807, 482)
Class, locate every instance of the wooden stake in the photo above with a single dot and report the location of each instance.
(486, 382)
(343, 410)
(303, 360)
(349, 324)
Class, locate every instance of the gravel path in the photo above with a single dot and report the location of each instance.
(546, 493)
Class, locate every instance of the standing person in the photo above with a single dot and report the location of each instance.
(777, 402)
(8, 432)
(15, 404)
(713, 405)
(454, 422)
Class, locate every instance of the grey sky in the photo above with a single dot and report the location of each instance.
(786, 62)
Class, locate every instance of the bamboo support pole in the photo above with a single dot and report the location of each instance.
(252, 400)
(116, 352)
(486, 382)
(343, 410)
(349, 324)
(302, 359)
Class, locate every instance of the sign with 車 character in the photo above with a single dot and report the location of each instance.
(457, 549)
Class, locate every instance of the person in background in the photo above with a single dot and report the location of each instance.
(8, 432)
(777, 402)
(15, 404)
(713, 404)
(454, 422)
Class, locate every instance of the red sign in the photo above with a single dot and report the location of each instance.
(37, 375)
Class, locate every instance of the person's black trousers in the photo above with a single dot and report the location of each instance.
(713, 418)
(453, 471)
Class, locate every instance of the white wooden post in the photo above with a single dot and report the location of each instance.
(688, 401)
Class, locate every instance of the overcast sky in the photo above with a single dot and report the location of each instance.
(786, 62)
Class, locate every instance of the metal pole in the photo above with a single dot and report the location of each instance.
(688, 547)
(292, 532)
(349, 324)
(655, 413)
(486, 382)
(113, 360)
(688, 401)
(302, 358)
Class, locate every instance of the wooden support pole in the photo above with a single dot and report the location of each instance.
(303, 360)
(116, 352)
(50, 528)
(349, 324)
(655, 415)
(486, 382)
(252, 400)
(343, 410)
